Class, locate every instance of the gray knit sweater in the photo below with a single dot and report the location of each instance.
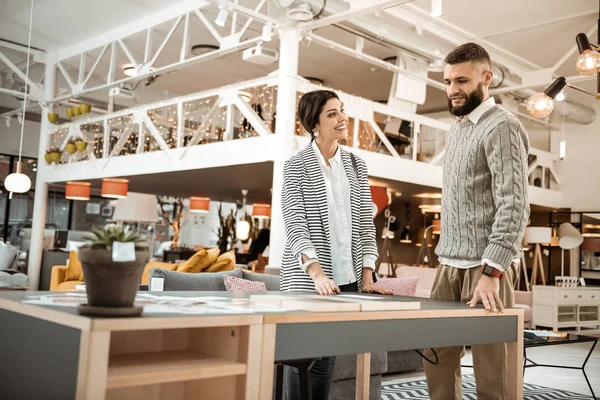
(485, 205)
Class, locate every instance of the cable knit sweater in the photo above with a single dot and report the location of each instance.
(485, 205)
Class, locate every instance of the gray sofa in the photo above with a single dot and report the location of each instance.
(344, 382)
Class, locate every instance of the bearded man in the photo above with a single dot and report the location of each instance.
(485, 210)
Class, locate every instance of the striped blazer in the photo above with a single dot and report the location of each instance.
(304, 203)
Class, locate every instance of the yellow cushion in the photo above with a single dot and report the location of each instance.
(68, 285)
(225, 262)
(199, 261)
(156, 264)
(74, 269)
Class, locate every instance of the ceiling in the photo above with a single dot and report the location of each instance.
(220, 184)
(540, 32)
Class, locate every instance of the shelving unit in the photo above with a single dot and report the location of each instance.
(563, 308)
(219, 360)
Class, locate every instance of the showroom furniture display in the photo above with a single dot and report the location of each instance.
(564, 307)
(222, 356)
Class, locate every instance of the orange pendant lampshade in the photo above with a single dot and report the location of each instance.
(77, 191)
(380, 198)
(261, 211)
(199, 205)
(115, 188)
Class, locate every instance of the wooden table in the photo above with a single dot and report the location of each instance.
(52, 353)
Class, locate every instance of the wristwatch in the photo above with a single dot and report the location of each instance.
(491, 271)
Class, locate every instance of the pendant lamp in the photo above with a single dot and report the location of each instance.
(78, 191)
(18, 182)
(114, 188)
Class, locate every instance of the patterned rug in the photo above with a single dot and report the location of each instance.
(417, 390)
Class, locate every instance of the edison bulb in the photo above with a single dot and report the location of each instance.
(588, 62)
(540, 105)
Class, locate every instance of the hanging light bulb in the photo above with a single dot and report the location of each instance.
(540, 105)
(18, 182)
(242, 230)
(588, 62)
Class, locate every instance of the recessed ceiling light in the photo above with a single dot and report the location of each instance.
(301, 12)
(199, 49)
(314, 80)
(247, 96)
(130, 70)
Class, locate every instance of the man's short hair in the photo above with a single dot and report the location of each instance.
(469, 52)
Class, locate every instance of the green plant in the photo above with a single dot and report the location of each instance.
(53, 150)
(78, 139)
(104, 238)
(71, 140)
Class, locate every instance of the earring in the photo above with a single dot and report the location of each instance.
(316, 134)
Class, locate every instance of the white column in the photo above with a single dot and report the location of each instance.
(285, 129)
(41, 187)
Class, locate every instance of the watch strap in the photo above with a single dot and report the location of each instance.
(491, 271)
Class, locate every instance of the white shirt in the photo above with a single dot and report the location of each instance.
(339, 214)
(474, 116)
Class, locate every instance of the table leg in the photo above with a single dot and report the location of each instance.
(279, 382)
(514, 378)
(363, 376)
(267, 361)
(94, 350)
(583, 369)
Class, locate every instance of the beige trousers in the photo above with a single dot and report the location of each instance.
(444, 380)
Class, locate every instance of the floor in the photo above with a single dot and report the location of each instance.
(570, 380)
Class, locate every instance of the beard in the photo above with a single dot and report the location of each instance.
(472, 101)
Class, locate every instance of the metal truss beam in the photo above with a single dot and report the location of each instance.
(373, 60)
(143, 73)
(132, 28)
(364, 7)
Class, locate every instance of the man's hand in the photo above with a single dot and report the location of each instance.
(488, 291)
(323, 284)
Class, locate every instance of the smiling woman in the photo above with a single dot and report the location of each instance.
(327, 212)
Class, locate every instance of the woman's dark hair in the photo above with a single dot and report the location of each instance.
(310, 107)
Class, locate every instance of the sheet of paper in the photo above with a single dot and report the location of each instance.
(542, 333)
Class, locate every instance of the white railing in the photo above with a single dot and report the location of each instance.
(231, 113)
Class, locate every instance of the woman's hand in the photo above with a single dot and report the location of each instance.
(326, 286)
(323, 284)
(373, 288)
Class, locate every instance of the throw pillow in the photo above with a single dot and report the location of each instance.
(74, 269)
(200, 261)
(225, 262)
(404, 286)
(233, 284)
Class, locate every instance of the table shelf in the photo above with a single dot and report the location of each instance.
(129, 370)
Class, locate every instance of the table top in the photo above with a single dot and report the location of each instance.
(565, 338)
(13, 301)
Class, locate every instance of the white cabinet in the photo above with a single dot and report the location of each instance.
(563, 308)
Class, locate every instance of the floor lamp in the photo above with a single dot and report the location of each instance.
(425, 256)
(538, 235)
(140, 208)
(386, 246)
(569, 238)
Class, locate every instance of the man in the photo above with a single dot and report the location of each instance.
(484, 213)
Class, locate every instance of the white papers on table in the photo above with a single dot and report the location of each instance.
(542, 333)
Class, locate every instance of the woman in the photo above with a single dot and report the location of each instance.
(327, 212)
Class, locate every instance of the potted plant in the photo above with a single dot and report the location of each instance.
(53, 155)
(71, 148)
(80, 144)
(113, 261)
